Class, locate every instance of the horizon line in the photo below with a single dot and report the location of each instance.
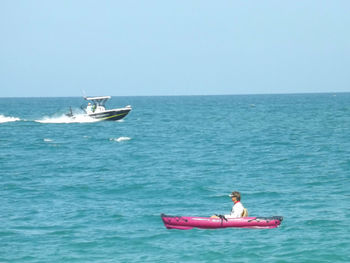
(190, 95)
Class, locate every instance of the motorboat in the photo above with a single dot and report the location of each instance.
(96, 109)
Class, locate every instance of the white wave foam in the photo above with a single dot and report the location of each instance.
(80, 118)
(4, 119)
(120, 139)
(48, 140)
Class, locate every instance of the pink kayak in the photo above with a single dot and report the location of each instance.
(189, 222)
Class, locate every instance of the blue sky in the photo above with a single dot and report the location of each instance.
(131, 48)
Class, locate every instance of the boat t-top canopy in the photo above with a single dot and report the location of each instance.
(98, 100)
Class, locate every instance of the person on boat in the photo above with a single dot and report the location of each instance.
(238, 209)
(89, 108)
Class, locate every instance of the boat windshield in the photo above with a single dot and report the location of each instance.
(98, 101)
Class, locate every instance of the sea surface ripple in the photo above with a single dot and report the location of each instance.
(94, 191)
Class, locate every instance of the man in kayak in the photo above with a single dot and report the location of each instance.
(237, 208)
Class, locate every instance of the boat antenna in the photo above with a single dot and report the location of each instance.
(84, 93)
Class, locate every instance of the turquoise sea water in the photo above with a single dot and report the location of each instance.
(94, 191)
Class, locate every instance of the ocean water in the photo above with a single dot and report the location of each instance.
(88, 191)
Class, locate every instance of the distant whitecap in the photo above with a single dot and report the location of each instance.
(120, 139)
(48, 140)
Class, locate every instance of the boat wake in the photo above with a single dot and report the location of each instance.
(4, 119)
(79, 118)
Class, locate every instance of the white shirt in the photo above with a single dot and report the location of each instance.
(237, 210)
(89, 109)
